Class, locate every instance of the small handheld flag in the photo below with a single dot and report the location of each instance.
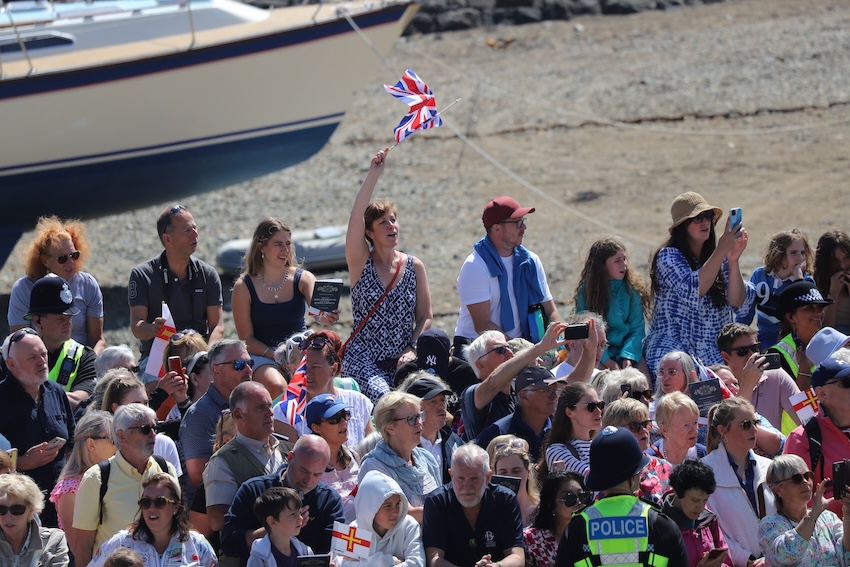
(805, 404)
(423, 106)
(351, 541)
(154, 366)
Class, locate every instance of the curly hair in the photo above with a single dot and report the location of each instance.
(50, 231)
(777, 247)
(562, 426)
(679, 240)
(544, 517)
(267, 228)
(825, 263)
(593, 281)
(692, 473)
(140, 530)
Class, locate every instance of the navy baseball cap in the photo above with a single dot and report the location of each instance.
(323, 406)
(828, 370)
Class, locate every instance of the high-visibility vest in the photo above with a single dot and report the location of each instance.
(787, 348)
(618, 534)
(65, 370)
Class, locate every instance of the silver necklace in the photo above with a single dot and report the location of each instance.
(275, 286)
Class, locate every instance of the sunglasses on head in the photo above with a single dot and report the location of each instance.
(638, 426)
(748, 424)
(500, 350)
(159, 502)
(517, 444)
(746, 349)
(317, 343)
(145, 429)
(15, 509)
(20, 333)
(338, 417)
(642, 394)
(176, 209)
(704, 216)
(75, 255)
(238, 365)
(798, 478)
(593, 406)
(179, 335)
(583, 498)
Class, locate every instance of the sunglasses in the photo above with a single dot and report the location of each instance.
(704, 216)
(593, 406)
(317, 343)
(21, 333)
(238, 365)
(844, 382)
(500, 350)
(645, 394)
(145, 429)
(338, 417)
(517, 223)
(746, 350)
(748, 424)
(638, 426)
(75, 255)
(798, 478)
(159, 502)
(135, 369)
(176, 209)
(184, 333)
(413, 419)
(15, 509)
(570, 499)
(518, 444)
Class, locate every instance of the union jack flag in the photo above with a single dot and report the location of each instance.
(423, 107)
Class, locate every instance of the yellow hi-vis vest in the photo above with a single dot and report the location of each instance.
(788, 350)
(65, 370)
(618, 534)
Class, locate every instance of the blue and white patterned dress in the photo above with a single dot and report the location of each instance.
(370, 354)
(683, 319)
(783, 546)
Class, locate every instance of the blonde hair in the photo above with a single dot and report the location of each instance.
(624, 410)
(385, 410)
(225, 426)
(532, 489)
(667, 407)
(723, 414)
(24, 488)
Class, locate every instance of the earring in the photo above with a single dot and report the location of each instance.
(262, 255)
(725, 440)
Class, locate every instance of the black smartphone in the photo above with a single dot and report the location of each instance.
(574, 332)
(839, 478)
(717, 553)
(626, 389)
(774, 360)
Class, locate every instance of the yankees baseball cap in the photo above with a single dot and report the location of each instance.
(432, 352)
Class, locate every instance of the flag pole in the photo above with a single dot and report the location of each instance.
(427, 121)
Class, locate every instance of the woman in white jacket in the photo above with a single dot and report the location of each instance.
(381, 508)
(741, 498)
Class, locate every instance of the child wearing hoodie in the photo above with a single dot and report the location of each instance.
(381, 508)
(279, 509)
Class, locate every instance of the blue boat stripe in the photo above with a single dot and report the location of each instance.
(60, 80)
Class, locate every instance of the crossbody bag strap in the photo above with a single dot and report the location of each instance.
(372, 311)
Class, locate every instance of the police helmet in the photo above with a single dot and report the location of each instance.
(51, 294)
(615, 457)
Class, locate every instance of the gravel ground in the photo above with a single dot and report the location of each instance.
(599, 122)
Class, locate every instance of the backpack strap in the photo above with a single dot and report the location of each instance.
(812, 429)
(161, 462)
(105, 467)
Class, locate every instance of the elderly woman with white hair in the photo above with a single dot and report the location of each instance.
(23, 542)
(398, 455)
(118, 356)
(798, 535)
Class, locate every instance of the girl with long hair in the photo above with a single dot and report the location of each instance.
(696, 282)
(607, 286)
(510, 458)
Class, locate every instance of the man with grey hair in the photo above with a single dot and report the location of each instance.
(486, 520)
(575, 348)
(322, 505)
(231, 365)
(253, 452)
(96, 519)
(117, 356)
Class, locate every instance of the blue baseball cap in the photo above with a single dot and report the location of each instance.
(323, 406)
(830, 369)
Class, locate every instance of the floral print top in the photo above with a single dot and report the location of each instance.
(782, 545)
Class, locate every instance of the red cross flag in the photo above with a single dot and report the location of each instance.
(351, 541)
(805, 404)
(154, 366)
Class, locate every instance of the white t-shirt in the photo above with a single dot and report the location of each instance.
(475, 285)
(165, 447)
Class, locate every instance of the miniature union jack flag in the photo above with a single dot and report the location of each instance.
(423, 107)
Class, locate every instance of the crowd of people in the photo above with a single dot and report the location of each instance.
(652, 426)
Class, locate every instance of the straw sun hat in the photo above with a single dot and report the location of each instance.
(688, 205)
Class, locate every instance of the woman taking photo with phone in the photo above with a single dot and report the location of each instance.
(696, 283)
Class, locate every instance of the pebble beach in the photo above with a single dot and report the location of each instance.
(598, 122)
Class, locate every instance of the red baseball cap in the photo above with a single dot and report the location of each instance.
(502, 209)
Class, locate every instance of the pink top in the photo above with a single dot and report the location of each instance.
(67, 485)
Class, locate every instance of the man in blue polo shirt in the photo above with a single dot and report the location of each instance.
(34, 411)
(469, 522)
(536, 398)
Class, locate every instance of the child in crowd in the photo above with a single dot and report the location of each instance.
(608, 287)
(124, 557)
(382, 508)
(279, 509)
(787, 259)
(7, 465)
